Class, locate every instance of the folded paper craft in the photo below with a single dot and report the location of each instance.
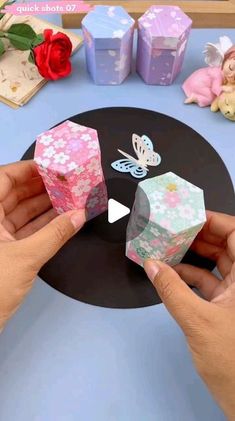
(69, 161)
(177, 214)
(108, 36)
(163, 33)
(138, 167)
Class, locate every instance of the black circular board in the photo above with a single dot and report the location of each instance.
(91, 267)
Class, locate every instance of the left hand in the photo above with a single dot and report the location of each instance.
(30, 232)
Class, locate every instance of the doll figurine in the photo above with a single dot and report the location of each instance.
(222, 55)
(228, 69)
(206, 84)
(203, 86)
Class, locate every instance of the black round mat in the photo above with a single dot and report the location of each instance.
(93, 268)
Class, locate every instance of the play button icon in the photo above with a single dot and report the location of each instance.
(111, 225)
(116, 211)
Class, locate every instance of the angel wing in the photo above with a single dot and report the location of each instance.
(225, 43)
(214, 53)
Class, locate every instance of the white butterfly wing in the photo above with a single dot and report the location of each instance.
(129, 157)
(138, 172)
(148, 142)
(141, 149)
(123, 165)
(154, 159)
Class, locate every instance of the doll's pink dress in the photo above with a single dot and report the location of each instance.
(203, 86)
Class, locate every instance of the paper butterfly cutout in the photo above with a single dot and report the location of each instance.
(143, 148)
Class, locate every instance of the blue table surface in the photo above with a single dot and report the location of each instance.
(61, 359)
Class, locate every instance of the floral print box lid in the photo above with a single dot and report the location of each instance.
(66, 147)
(164, 27)
(107, 26)
(175, 204)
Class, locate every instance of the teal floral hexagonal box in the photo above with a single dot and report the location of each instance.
(177, 214)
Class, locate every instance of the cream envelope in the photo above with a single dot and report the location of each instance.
(20, 79)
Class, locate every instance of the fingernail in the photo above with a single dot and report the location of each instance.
(78, 219)
(152, 269)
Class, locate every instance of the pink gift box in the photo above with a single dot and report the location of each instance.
(163, 33)
(69, 160)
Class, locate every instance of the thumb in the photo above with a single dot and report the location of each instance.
(45, 243)
(183, 304)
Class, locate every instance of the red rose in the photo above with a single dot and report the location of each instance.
(52, 56)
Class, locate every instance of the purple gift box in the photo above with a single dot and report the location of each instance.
(108, 35)
(163, 33)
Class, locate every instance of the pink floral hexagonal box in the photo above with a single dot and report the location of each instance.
(69, 160)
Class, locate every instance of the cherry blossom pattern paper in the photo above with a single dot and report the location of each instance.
(108, 36)
(177, 214)
(163, 33)
(69, 161)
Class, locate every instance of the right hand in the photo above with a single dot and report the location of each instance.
(209, 322)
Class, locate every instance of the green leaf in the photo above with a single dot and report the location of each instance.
(22, 36)
(38, 40)
(31, 58)
(7, 3)
(19, 42)
(22, 30)
(2, 48)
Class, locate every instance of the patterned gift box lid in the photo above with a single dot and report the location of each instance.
(107, 26)
(164, 26)
(66, 147)
(175, 204)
